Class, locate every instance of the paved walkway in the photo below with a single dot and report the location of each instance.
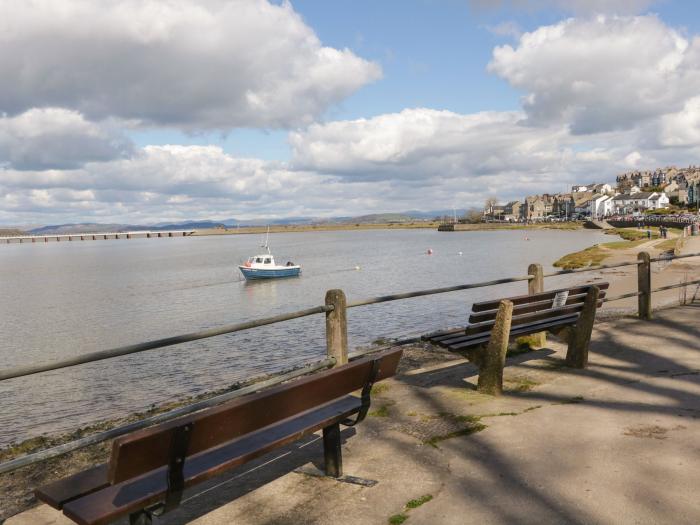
(616, 443)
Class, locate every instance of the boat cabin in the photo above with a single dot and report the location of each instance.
(262, 260)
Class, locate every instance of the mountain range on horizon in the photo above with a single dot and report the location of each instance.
(376, 218)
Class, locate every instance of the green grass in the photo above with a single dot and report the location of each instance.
(520, 384)
(622, 245)
(398, 519)
(501, 414)
(595, 255)
(379, 388)
(382, 411)
(633, 234)
(592, 256)
(433, 441)
(473, 425)
(523, 344)
(415, 503)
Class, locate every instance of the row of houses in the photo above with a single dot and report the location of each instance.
(634, 191)
(583, 201)
(681, 185)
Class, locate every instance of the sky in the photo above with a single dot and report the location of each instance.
(145, 111)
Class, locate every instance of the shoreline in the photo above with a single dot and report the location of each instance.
(417, 225)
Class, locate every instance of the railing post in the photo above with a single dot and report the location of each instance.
(644, 285)
(337, 327)
(535, 284)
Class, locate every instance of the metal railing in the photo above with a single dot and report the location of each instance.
(335, 311)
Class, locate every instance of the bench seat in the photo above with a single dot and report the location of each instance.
(531, 314)
(149, 468)
(59, 492)
(492, 324)
(110, 502)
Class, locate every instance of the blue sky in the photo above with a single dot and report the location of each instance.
(251, 109)
(433, 54)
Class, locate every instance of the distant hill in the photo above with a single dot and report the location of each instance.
(375, 218)
(64, 229)
(271, 222)
(192, 225)
(380, 218)
(11, 232)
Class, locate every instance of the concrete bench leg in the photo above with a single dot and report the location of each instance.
(332, 453)
(580, 336)
(140, 517)
(493, 358)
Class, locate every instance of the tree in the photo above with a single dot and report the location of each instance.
(473, 216)
(490, 203)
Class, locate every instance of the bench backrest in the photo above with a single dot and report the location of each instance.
(531, 308)
(149, 449)
(543, 297)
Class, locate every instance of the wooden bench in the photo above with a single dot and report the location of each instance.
(149, 469)
(567, 312)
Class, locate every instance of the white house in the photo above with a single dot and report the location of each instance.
(659, 200)
(596, 188)
(624, 203)
(600, 206)
(605, 189)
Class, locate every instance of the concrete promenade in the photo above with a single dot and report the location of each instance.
(618, 442)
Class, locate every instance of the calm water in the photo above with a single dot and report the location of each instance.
(64, 299)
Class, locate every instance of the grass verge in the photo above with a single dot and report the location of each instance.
(592, 256)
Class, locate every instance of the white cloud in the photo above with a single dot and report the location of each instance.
(53, 138)
(424, 143)
(602, 95)
(210, 64)
(601, 73)
(175, 183)
(682, 128)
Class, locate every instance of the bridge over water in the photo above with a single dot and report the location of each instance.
(94, 236)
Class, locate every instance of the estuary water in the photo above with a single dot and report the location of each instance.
(64, 299)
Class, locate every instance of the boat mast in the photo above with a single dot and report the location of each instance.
(267, 238)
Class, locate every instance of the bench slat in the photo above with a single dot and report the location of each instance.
(535, 326)
(146, 450)
(516, 320)
(523, 299)
(488, 315)
(442, 334)
(118, 500)
(59, 492)
(518, 331)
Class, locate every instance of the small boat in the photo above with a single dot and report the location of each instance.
(264, 267)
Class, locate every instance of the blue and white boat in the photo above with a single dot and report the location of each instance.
(264, 267)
